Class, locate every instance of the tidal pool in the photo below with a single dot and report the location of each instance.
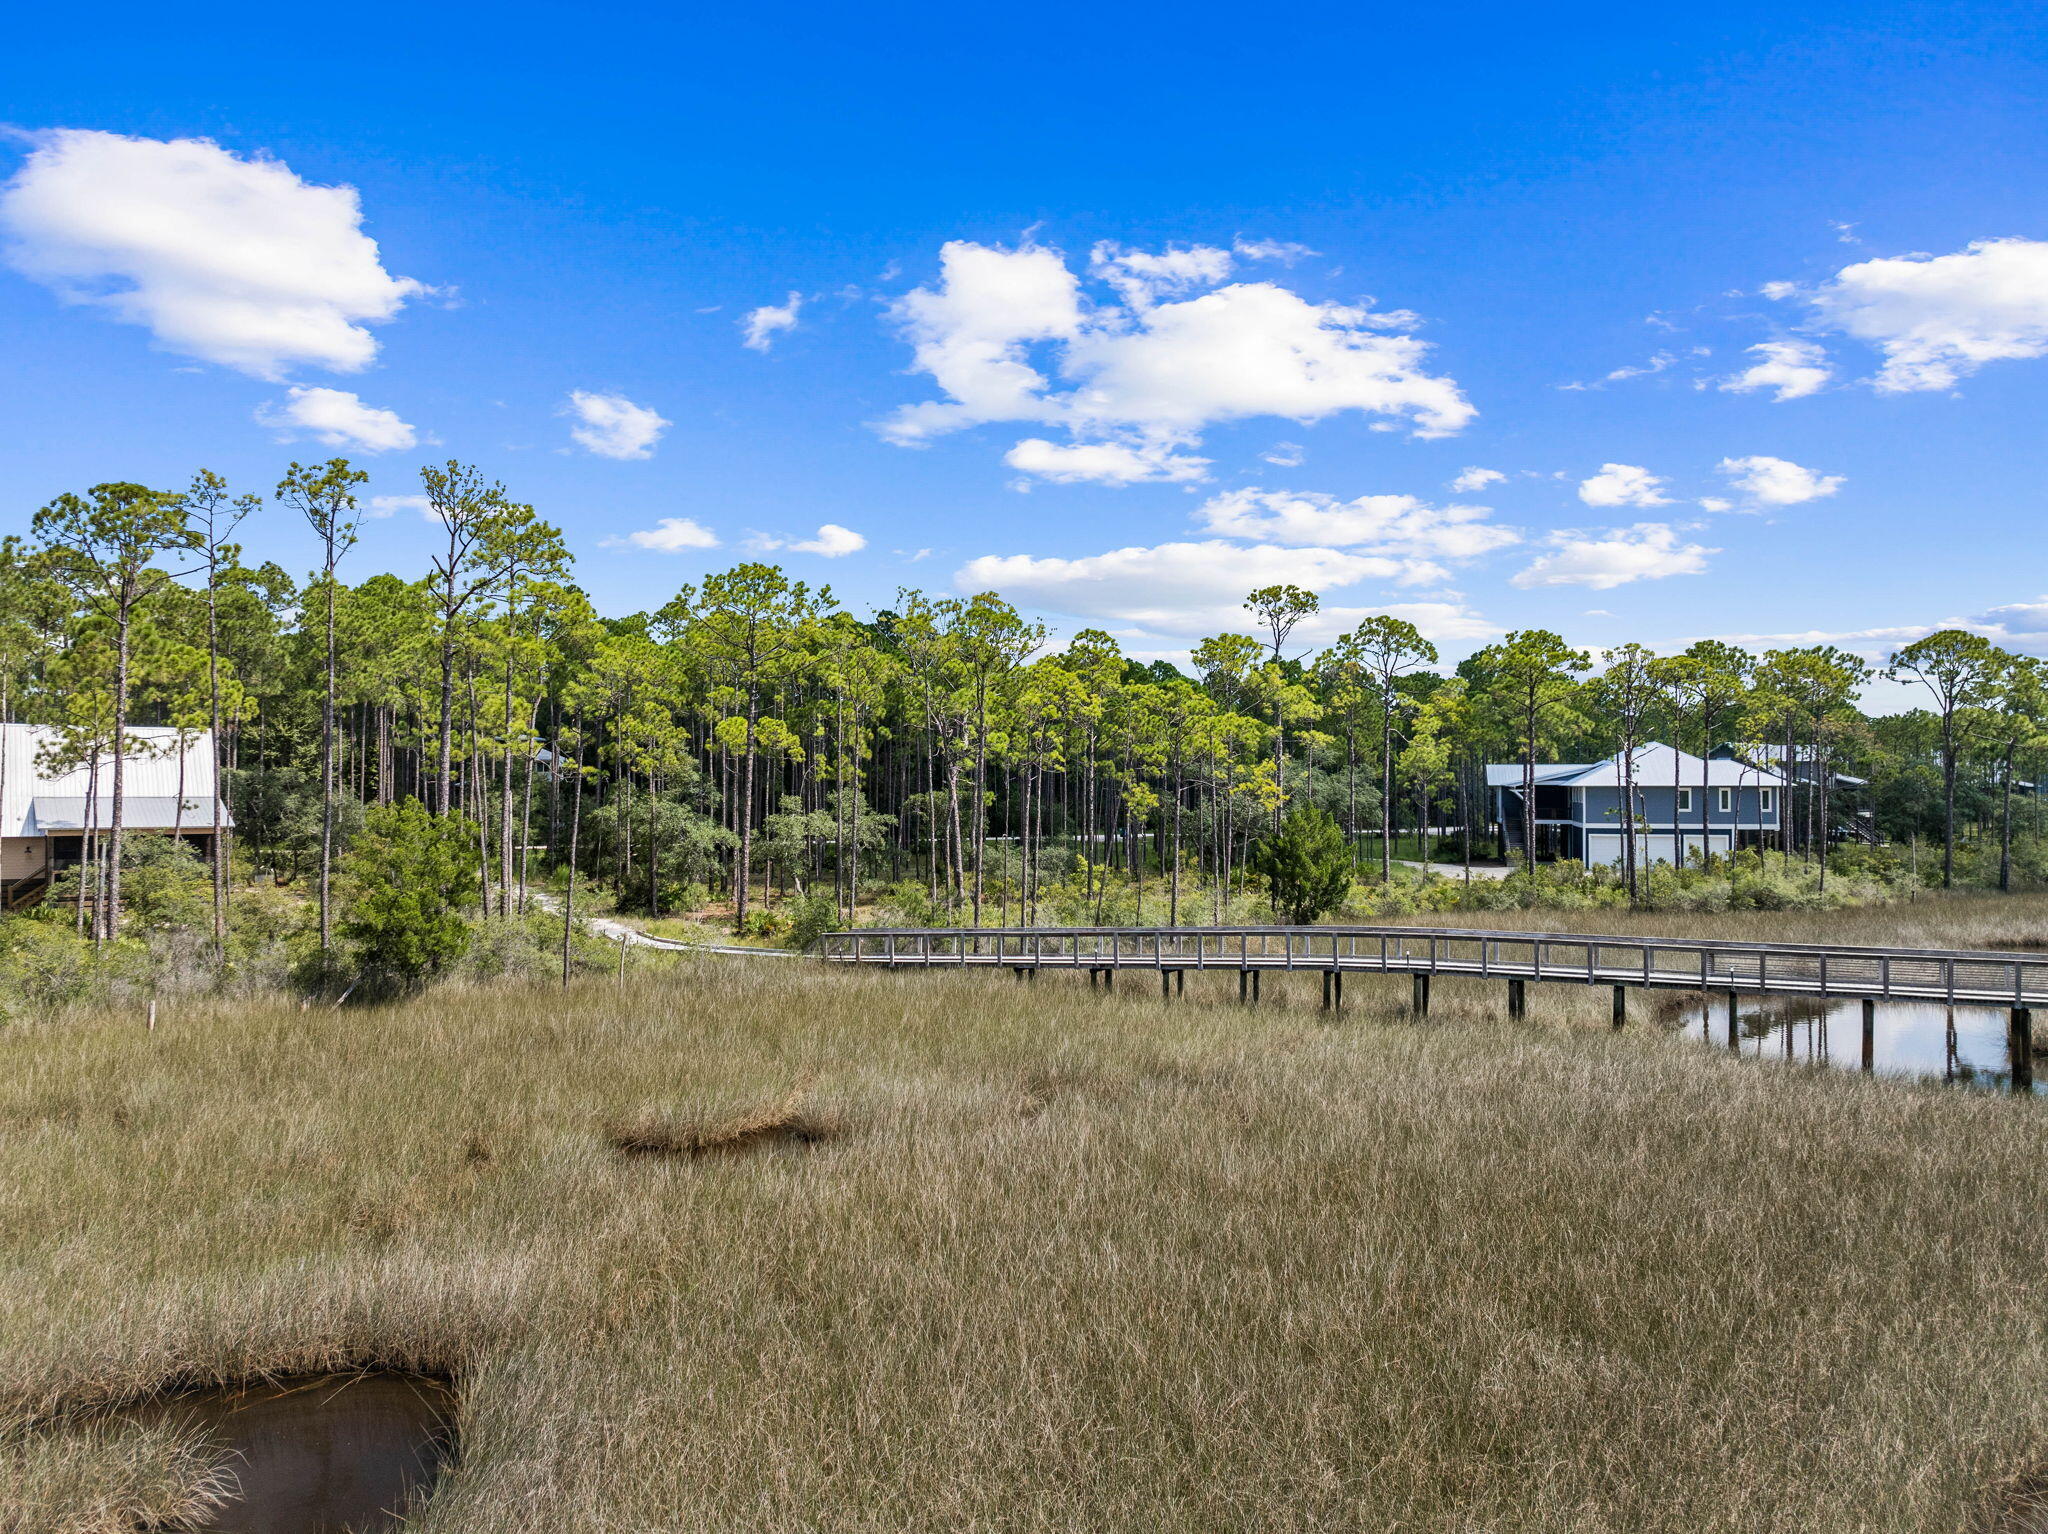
(326, 1454)
(1966, 1046)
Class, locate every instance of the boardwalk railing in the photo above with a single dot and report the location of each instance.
(1965, 976)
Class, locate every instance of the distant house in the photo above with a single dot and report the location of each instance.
(46, 816)
(1684, 804)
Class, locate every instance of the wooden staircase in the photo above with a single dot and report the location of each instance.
(18, 894)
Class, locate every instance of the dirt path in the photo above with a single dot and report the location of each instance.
(618, 931)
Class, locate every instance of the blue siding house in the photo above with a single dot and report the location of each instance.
(1685, 805)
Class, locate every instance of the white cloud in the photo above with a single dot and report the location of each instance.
(1143, 277)
(1473, 480)
(671, 535)
(1285, 455)
(1613, 557)
(612, 426)
(1777, 481)
(231, 260)
(1623, 484)
(1176, 587)
(2019, 618)
(337, 418)
(1009, 335)
(1937, 319)
(831, 542)
(391, 505)
(762, 325)
(1104, 463)
(1715, 503)
(1794, 369)
(1286, 252)
(1399, 526)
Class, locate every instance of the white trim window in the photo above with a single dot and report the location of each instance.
(1685, 801)
(1766, 800)
(1724, 801)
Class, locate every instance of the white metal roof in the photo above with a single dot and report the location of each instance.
(150, 780)
(1654, 764)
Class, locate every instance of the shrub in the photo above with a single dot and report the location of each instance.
(810, 918)
(1305, 864)
(408, 884)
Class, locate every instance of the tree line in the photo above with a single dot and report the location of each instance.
(751, 737)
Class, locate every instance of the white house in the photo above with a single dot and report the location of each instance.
(45, 813)
(1684, 805)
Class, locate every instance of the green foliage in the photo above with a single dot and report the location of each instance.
(1305, 864)
(409, 883)
(810, 918)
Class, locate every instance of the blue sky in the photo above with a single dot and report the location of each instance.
(1192, 299)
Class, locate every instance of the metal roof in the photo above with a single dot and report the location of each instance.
(47, 816)
(155, 775)
(1655, 764)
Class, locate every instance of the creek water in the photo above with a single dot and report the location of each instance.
(329, 1454)
(1965, 1046)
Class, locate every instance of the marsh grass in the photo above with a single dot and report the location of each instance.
(782, 1122)
(1087, 1262)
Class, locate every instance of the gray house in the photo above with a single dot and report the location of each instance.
(1684, 805)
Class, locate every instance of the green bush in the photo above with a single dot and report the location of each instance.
(810, 918)
(408, 886)
(1305, 864)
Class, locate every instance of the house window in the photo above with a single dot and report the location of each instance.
(1685, 801)
(1724, 800)
(1767, 799)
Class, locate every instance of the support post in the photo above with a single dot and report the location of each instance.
(1869, 1034)
(2020, 1046)
(1166, 985)
(1244, 986)
(1518, 998)
(1337, 976)
(1328, 976)
(1420, 1004)
(1734, 1022)
(1180, 982)
(1258, 975)
(1620, 1007)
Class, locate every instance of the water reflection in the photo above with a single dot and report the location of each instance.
(329, 1454)
(1966, 1046)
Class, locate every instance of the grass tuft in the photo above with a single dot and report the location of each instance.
(781, 1122)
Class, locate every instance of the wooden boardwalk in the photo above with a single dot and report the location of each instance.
(1963, 977)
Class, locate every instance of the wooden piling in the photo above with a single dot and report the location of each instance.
(1734, 1022)
(1518, 998)
(1419, 1005)
(2020, 1048)
(1620, 1007)
(1328, 976)
(1869, 1034)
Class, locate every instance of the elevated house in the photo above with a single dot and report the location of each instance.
(1684, 806)
(52, 811)
(1848, 798)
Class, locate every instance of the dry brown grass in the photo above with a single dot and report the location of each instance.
(1089, 1262)
(781, 1122)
